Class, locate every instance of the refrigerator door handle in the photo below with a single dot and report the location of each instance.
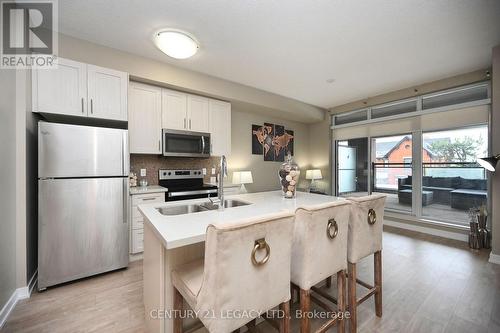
(125, 155)
(125, 200)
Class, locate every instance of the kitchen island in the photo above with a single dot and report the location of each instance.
(175, 239)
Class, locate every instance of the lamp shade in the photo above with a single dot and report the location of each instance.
(489, 163)
(314, 174)
(242, 177)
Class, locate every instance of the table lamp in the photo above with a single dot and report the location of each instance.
(242, 177)
(313, 175)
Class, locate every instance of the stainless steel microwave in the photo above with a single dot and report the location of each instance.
(178, 143)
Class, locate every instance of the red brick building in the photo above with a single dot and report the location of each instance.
(401, 152)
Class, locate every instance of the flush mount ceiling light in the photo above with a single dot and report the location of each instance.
(175, 43)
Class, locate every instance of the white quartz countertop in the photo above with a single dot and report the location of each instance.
(181, 230)
(147, 189)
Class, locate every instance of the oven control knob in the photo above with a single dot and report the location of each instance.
(169, 173)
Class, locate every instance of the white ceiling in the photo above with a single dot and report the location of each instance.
(292, 47)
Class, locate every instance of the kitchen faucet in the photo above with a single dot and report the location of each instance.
(220, 184)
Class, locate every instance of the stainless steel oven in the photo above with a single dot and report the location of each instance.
(185, 143)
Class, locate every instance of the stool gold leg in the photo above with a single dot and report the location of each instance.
(305, 305)
(377, 261)
(178, 300)
(341, 288)
(351, 281)
(285, 321)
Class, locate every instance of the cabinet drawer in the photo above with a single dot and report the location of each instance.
(140, 199)
(137, 241)
(138, 223)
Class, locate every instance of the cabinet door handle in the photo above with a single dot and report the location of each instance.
(91, 106)
(189, 123)
(83, 110)
(184, 122)
(159, 145)
(148, 199)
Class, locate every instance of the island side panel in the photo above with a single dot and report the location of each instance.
(153, 279)
(158, 264)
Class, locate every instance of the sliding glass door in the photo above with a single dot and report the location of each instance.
(451, 178)
(392, 170)
(430, 175)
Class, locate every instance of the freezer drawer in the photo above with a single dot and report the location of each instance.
(69, 151)
(83, 228)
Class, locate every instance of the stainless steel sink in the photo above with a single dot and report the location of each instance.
(181, 209)
(195, 208)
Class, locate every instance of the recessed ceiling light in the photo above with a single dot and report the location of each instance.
(176, 44)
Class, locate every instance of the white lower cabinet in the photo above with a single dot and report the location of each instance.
(137, 221)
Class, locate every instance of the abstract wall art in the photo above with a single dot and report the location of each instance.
(272, 141)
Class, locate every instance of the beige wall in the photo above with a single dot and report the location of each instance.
(319, 152)
(148, 70)
(265, 174)
(495, 149)
(7, 181)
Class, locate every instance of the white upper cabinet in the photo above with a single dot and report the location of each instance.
(62, 90)
(220, 127)
(197, 107)
(107, 93)
(174, 110)
(78, 89)
(144, 113)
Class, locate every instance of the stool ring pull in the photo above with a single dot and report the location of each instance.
(372, 216)
(332, 229)
(260, 244)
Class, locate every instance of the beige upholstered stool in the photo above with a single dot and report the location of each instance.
(365, 238)
(320, 250)
(246, 271)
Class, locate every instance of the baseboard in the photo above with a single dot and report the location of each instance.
(427, 230)
(494, 258)
(17, 295)
(135, 257)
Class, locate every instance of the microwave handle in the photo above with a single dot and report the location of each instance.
(202, 144)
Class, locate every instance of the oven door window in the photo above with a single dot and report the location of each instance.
(186, 144)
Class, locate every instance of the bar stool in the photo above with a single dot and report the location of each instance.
(319, 250)
(365, 238)
(246, 271)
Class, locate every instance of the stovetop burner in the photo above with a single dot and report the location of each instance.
(185, 184)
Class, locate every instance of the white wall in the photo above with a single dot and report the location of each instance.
(8, 185)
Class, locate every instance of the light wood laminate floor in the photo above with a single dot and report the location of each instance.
(430, 285)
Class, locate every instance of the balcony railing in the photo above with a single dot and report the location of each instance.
(386, 175)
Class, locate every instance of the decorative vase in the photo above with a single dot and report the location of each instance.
(289, 177)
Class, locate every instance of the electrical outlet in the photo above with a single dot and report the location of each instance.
(143, 172)
(204, 170)
(213, 171)
(213, 180)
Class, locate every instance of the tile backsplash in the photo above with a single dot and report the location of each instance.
(152, 163)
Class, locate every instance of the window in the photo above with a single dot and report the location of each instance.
(452, 181)
(351, 117)
(392, 170)
(394, 109)
(455, 96)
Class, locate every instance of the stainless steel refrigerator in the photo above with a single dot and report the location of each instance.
(82, 201)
